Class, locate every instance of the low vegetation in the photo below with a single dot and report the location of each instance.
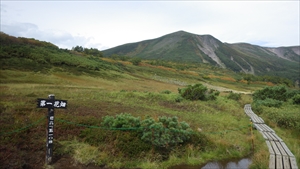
(273, 102)
(125, 115)
(234, 96)
(198, 92)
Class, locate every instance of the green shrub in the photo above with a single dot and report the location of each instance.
(166, 92)
(287, 117)
(136, 61)
(296, 99)
(198, 92)
(276, 92)
(258, 109)
(166, 132)
(268, 102)
(212, 94)
(287, 121)
(179, 99)
(123, 120)
(234, 96)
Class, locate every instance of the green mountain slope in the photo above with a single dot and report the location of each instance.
(33, 55)
(187, 47)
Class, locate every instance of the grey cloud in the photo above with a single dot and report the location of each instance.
(20, 29)
(59, 38)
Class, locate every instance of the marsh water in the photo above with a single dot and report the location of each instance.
(232, 164)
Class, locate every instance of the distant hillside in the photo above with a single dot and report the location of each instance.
(240, 57)
(34, 55)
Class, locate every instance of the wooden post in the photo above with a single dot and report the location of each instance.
(50, 131)
(50, 103)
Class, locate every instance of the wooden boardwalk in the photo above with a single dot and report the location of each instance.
(280, 155)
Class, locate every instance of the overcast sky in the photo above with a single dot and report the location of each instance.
(106, 24)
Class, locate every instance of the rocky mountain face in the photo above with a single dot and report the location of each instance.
(240, 57)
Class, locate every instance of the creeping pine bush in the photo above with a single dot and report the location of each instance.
(296, 99)
(136, 61)
(234, 96)
(198, 92)
(166, 132)
(268, 102)
(166, 92)
(273, 96)
(123, 120)
(275, 92)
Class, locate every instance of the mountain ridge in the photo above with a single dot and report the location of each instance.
(182, 46)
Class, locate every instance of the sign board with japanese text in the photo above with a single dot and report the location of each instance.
(51, 104)
(47, 103)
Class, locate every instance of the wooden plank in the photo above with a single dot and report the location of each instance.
(272, 162)
(281, 149)
(265, 128)
(257, 127)
(285, 158)
(279, 161)
(273, 137)
(268, 136)
(293, 163)
(255, 119)
(280, 156)
(277, 137)
(277, 155)
(249, 114)
(262, 127)
(263, 134)
(269, 128)
(261, 120)
(287, 150)
(276, 150)
(286, 162)
(271, 151)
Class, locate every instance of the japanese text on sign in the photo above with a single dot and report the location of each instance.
(44, 103)
(50, 129)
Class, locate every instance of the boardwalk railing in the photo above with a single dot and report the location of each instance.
(280, 155)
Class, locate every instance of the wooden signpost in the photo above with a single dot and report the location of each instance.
(51, 104)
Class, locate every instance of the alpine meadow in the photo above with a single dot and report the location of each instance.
(159, 103)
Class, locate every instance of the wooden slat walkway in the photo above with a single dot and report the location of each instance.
(280, 155)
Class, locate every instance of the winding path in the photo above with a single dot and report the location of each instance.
(280, 155)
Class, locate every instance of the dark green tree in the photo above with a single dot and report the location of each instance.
(78, 48)
(198, 92)
(136, 61)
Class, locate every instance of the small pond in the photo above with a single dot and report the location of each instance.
(232, 164)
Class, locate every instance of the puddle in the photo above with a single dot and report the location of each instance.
(232, 164)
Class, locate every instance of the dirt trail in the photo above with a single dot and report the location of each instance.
(223, 89)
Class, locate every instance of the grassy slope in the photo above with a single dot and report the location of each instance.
(182, 47)
(137, 93)
(108, 87)
(91, 97)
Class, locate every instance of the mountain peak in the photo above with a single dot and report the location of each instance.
(182, 46)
